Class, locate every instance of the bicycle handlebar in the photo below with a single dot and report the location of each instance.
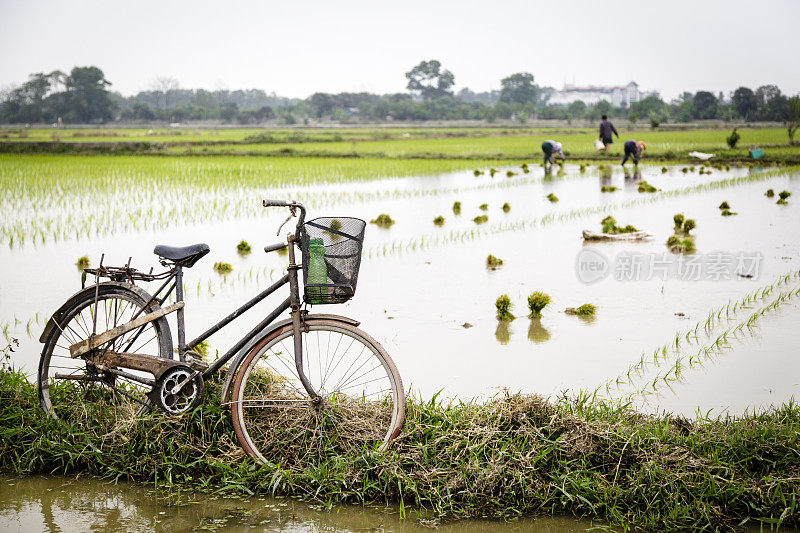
(291, 205)
(274, 247)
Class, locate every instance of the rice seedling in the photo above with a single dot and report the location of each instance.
(383, 220)
(243, 248)
(493, 262)
(770, 193)
(201, 349)
(680, 245)
(678, 220)
(493, 171)
(582, 168)
(82, 262)
(609, 225)
(481, 219)
(503, 306)
(456, 208)
(525, 168)
(510, 173)
(688, 225)
(583, 310)
(477, 172)
(439, 221)
(506, 207)
(537, 301)
(783, 195)
(643, 186)
(727, 213)
(552, 197)
(608, 188)
(724, 205)
(684, 170)
(222, 268)
(483, 207)
(664, 170)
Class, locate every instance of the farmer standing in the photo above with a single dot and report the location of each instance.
(549, 148)
(635, 150)
(606, 131)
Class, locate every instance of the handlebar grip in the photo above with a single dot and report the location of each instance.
(272, 247)
(275, 203)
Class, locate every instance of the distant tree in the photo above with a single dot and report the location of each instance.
(705, 105)
(263, 113)
(745, 103)
(651, 106)
(792, 118)
(321, 104)
(86, 98)
(603, 107)
(765, 96)
(519, 88)
(164, 85)
(577, 108)
(228, 112)
(429, 80)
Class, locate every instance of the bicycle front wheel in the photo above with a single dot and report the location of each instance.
(363, 402)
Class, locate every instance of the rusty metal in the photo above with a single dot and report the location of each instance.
(134, 361)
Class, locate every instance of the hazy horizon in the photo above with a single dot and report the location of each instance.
(297, 50)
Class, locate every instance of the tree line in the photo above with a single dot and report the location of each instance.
(83, 96)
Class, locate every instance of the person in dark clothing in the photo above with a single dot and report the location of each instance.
(606, 131)
(549, 148)
(634, 150)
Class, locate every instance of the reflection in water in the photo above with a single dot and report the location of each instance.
(605, 172)
(66, 504)
(503, 331)
(537, 332)
(636, 175)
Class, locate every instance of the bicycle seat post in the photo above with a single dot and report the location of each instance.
(179, 313)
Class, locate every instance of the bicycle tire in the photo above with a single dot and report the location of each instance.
(89, 397)
(273, 416)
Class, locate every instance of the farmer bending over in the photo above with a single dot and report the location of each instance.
(635, 150)
(550, 147)
(606, 131)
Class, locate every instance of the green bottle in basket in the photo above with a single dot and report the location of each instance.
(317, 271)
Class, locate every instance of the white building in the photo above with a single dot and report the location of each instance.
(619, 96)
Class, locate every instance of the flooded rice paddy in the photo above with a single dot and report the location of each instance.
(426, 294)
(62, 504)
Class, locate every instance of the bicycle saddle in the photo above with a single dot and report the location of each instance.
(184, 256)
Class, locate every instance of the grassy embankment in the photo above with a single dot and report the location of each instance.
(401, 143)
(511, 456)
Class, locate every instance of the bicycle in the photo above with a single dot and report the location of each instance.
(305, 380)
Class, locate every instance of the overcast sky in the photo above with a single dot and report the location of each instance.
(296, 48)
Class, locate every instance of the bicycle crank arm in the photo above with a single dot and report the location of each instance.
(84, 346)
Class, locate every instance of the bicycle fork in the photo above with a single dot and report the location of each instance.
(295, 302)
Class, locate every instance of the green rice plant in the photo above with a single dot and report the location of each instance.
(383, 220)
(582, 168)
(770, 193)
(201, 348)
(664, 170)
(510, 173)
(439, 221)
(493, 262)
(552, 197)
(456, 208)
(724, 205)
(680, 245)
(608, 188)
(783, 195)
(643, 186)
(684, 170)
(583, 310)
(537, 301)
(493, 171)
(688, 225)
(727, 213)
(477, 172)
(503, 306)
(82, 262)
(243, 248)
(222, 268)
(481, 219)
(506, 207)
(678, 219)
(609, 225)
(525, 168)
(483, 207)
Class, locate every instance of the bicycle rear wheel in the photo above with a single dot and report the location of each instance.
(74, 389)
(363, 402)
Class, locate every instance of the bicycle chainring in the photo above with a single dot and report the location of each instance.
(167, 397)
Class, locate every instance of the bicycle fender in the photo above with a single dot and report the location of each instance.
(51, 323)
(261, 335)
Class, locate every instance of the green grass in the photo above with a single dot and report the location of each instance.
(510, 456)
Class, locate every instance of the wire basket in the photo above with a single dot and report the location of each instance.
(331, 248)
